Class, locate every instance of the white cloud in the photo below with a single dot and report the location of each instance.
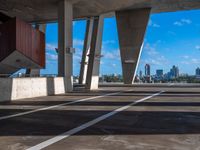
(171, 33)
(151, 51)
(51, 47)
(102, 62)
(109, 42)
(153, 56)
(185, 57)
(78, 55)
(112, 54)
(114, 65)
(197, 47)
(187, 21)
(152, 24)
(51, 57)
(150, 61)
(191, 61)
(77, 58)
(77, 42)
(177, 23)
(195, 61)
(182, 22)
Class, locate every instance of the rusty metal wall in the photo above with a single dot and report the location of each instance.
(30, 42)
(21, 36)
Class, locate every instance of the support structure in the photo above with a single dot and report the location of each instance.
(132, 26)
(92, 79)
(65, 43)
(86, 51)
(36, 72)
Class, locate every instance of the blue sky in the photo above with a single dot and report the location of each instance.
(171, 39)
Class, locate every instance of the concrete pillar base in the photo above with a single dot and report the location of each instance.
(19, 88)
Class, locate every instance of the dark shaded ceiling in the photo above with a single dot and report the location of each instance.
(46, 10)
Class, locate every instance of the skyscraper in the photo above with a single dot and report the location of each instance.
(198, 71)
(174, 72)
(159, 73)
(147, 73)
(147, 70)
(140, 74)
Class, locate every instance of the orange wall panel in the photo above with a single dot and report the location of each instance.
(21, 36)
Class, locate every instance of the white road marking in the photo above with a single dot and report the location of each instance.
(88, 124)
(171, 84)
(55, 106)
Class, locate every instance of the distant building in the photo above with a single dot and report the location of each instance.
(147, 73)
(147, 70)
(140, 74)
(159, 73)
(198, 71)
(174, 72)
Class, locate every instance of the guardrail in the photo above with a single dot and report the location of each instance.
(21, 75)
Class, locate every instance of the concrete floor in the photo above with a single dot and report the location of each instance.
(169, 121)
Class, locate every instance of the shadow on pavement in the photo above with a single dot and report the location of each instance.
(55, 122)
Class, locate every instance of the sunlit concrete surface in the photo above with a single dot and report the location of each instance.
(19, 88)
(168, 120)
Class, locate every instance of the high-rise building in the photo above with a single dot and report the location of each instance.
(174, 72)
(159, 73)
(147, 70)
(140, 74)
(198, 71)
(147, 73)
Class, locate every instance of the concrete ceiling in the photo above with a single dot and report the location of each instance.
(46, 10)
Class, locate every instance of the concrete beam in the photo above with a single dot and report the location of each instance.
(92, 79)
(131, 30)
(65, 43)
(86, 51)
(46, 10)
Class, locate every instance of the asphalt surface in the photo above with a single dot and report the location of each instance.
(140, 117)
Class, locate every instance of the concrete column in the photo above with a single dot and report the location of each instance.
(131, 30)
(65, 43)
(36, 72)
(92, 79)
(86, 51)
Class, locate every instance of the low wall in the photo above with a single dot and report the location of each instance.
(19, 88)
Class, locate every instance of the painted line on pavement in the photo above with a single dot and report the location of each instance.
(88, 124)
(56, 106)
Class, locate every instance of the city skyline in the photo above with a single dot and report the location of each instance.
(143, 72)
(179, 44)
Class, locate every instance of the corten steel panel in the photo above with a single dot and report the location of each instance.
(30, 42)
(7, 38)
(20, 36)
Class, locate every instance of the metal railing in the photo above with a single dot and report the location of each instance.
(22, 75)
